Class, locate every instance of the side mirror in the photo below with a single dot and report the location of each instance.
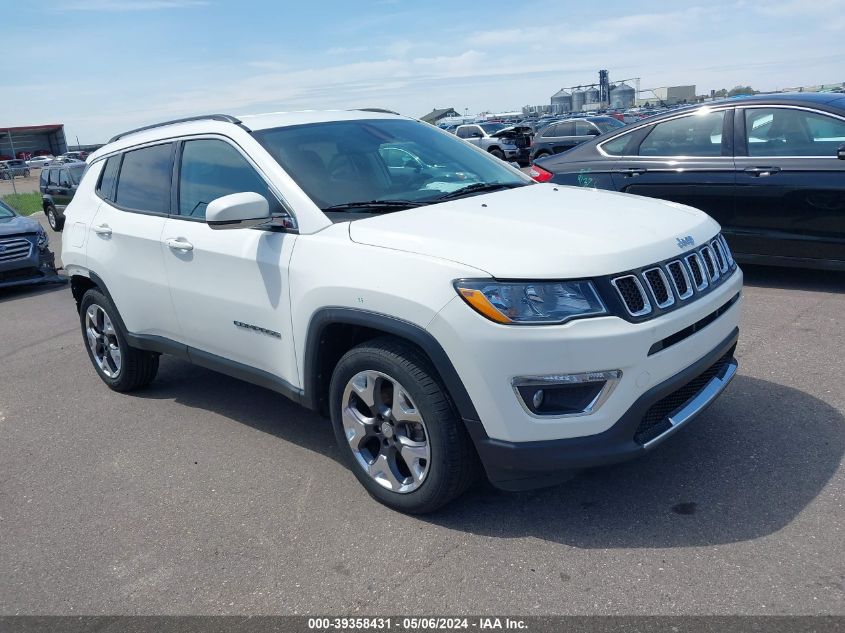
(593, 132)
(840, 153)
(237, 211)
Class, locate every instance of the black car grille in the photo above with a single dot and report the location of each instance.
(633, 295)
(654, 289)
(14, 249)
(656, 419)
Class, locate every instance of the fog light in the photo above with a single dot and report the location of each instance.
(564, 395)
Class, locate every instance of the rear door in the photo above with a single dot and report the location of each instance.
(790, 188)
(124, 247)
(686, 159)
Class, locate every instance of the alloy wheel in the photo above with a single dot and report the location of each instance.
(385, 431)
(51, 217)
(102, 340)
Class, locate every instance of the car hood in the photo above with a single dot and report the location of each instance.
(541, 231)
(17, 224)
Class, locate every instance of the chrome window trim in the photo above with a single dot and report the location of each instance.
(646, 303)
(611, 378)
(670, 301)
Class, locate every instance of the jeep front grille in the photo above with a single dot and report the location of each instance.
(661, 286)
(14, 249)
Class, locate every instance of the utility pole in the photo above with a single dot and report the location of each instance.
(12, 173)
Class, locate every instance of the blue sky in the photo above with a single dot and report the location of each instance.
(103, 66)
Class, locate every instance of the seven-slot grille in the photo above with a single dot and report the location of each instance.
(678, 280)
(14, 249)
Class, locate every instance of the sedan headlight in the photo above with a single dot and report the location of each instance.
(43, 239)
(531, 302)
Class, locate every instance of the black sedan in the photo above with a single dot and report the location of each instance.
(769, 168)
(25, 255)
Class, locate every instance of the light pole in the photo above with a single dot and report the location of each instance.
(12, 173)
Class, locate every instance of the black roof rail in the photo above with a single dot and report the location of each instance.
(203, 117)
(381, 110)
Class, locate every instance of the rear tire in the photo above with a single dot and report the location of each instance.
(541, 155)
(498, 154)
(55, 221)
(119, 365)
(397, 428)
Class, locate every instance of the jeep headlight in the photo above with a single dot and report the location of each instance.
(531, 302)
(43, 239)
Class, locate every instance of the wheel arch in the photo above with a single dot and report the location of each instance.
(334, 331)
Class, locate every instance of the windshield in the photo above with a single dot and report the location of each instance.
(492, 128)
(76, 172)
(343, 162)
(5, 211)
(608, 123)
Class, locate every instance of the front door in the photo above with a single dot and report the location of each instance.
(230, 287)
(687, 159)
(790, 187)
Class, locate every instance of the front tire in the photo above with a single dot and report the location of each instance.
(398, 429)
(55, 221)
(498, 154)
(119, 365)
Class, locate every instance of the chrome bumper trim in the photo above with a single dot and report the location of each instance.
(697, 403)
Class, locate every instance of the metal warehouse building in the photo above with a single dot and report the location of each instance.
(31, 138)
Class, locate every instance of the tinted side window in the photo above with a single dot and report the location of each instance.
(54, 177)
(694, 135)
(788, 132)
(144, 181)
(617, 146)
(64, 178)
(108, 178)
(211, 169)
(585, 128)
(43, 178)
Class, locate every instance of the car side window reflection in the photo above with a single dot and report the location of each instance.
(792, 132)
(692, 135)
(211, 169)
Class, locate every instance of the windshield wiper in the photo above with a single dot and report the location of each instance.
(479, 187)
(374, 206)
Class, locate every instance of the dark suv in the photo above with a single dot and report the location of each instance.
(563, 135)
(58, 184)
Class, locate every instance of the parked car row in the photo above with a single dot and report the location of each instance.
(13, 168)
(769, 168)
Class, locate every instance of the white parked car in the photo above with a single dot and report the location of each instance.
(445, 311)
(39, 161)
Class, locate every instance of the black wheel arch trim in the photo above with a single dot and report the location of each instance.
(391, 325)
(163, 345)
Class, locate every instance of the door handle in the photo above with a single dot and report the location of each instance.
(761, 171)
(103, 229)
(632, 171)
(179, 244)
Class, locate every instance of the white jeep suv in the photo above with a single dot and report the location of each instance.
(442, 308)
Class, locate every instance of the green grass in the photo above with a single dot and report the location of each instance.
(24, 203)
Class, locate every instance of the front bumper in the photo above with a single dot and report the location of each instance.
(655, 416)
(38, 267)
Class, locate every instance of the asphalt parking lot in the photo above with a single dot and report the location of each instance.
(207, 495)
